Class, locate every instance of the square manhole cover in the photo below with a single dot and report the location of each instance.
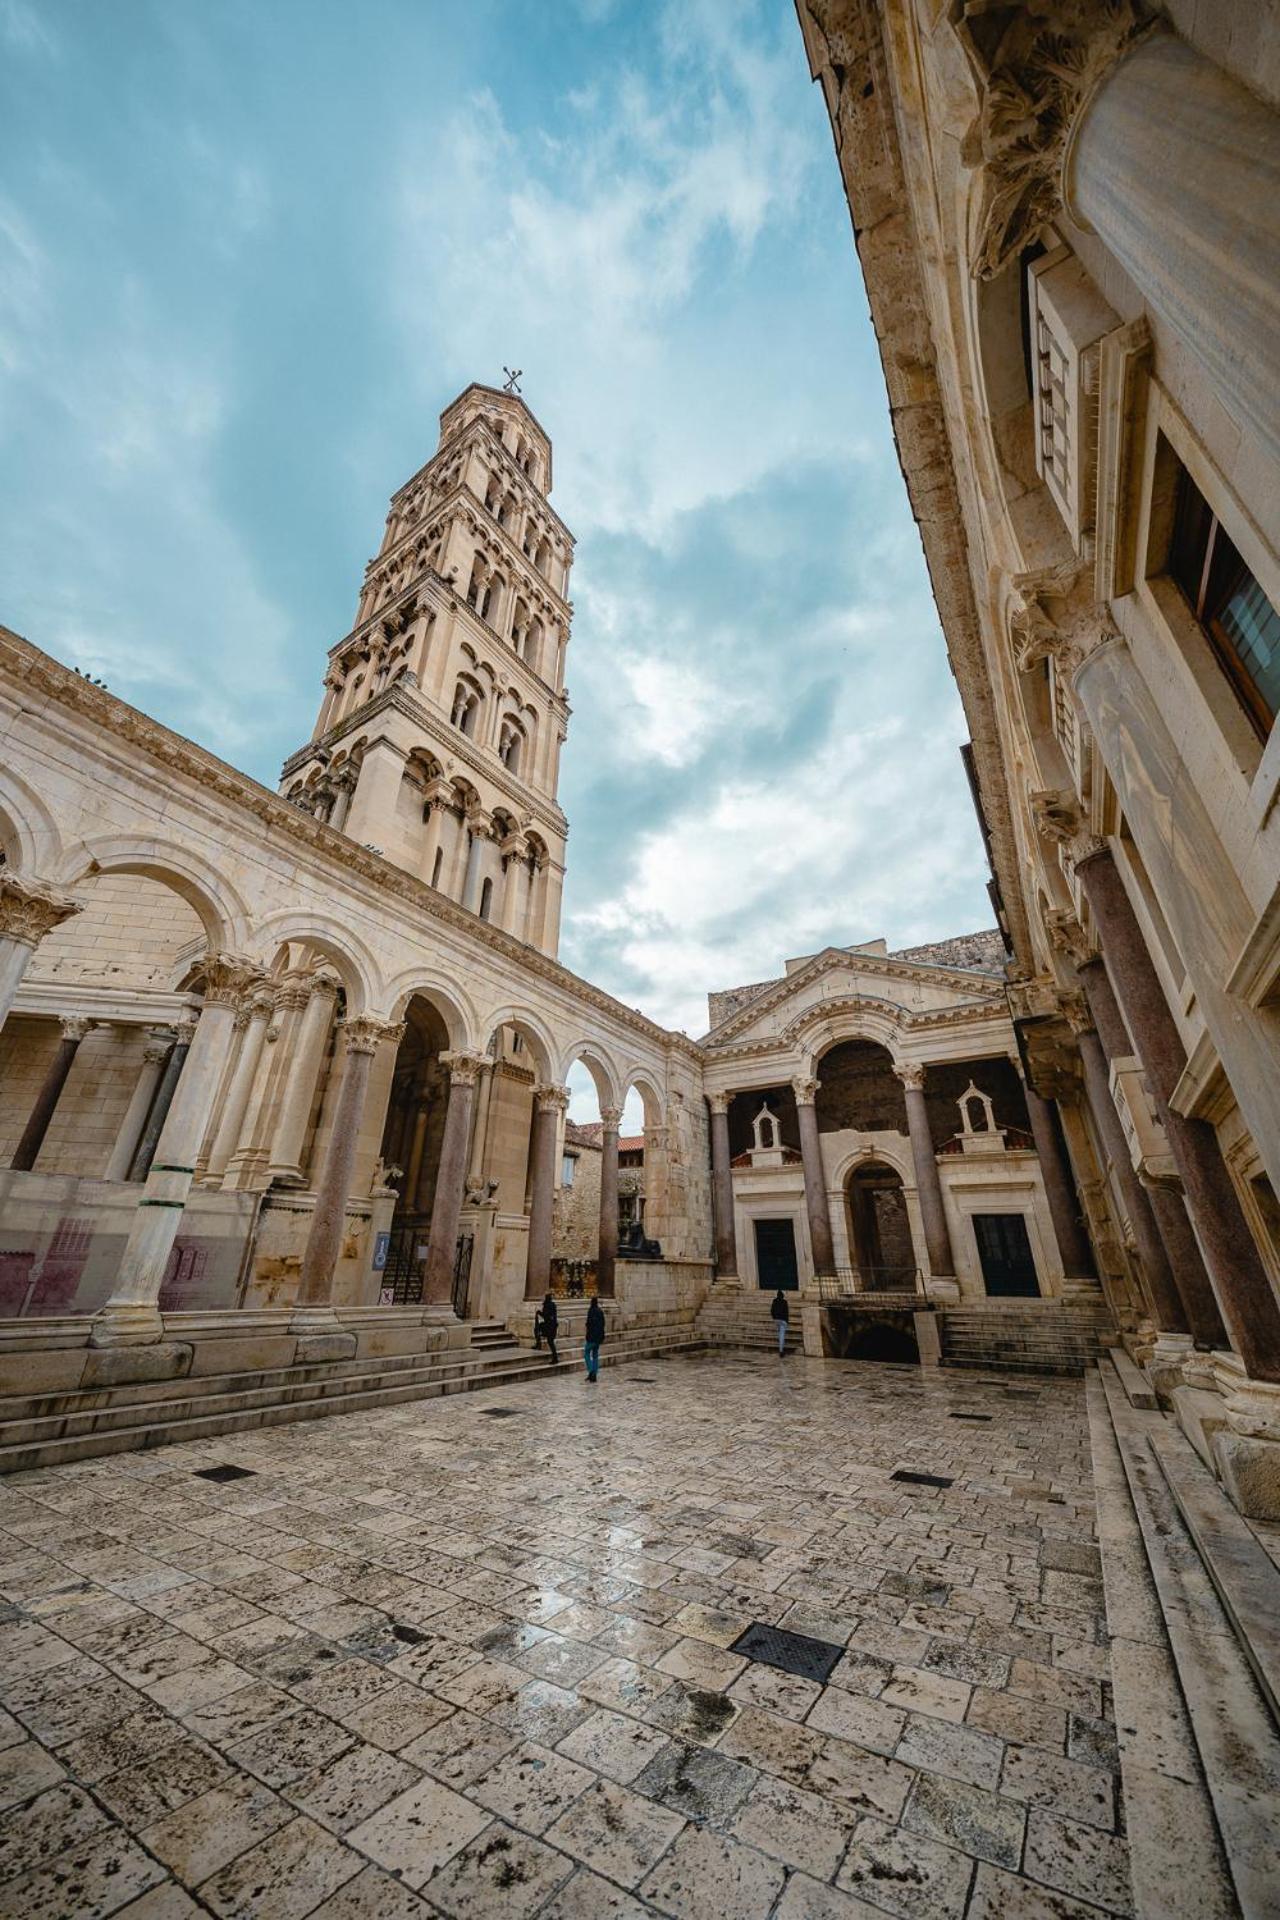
(791, 1652)
(922, 1479)
(502, 1413)
(970, 1416)
(219, 1474)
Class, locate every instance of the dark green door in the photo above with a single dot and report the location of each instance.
(1008, 1266)
(776, 1255)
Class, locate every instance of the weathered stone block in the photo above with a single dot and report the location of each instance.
(1250, 1471)
(313, 1347)
(125, 1366)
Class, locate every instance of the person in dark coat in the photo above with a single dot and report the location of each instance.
(595, 1334)
(781, 1312)
(550, 1317)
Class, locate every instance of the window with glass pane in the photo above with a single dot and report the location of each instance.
(1242, 625)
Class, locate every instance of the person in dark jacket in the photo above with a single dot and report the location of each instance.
(595, 1334)
(550, 1317)
(781, 1312)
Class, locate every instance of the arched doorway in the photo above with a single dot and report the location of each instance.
(411, 1141)
(879, 1228)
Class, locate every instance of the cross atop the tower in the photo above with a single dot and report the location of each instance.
(512, 382)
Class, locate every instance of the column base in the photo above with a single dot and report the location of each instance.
(944, 1287)
(439, 1313)
(1165, 1364)
(126, 1324)
(317, 1318)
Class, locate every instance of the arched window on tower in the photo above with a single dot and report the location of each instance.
(542, 558)
(486, 900)
(466, 707)
(476, 587)
(511, 745)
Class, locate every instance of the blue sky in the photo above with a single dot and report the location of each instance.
(248, 252)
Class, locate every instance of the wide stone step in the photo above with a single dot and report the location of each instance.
(217, 1413)
(1218, 1655)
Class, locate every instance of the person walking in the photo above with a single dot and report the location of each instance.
(591, 1345)
(781, 1312)
(550, 1317)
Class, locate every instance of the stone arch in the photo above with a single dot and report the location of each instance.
(651, 1096)
(218, 905)
(858, 1090)
(346, 952)
(543, 1049)
(446, 997)
(881, 1240)
(29, 839)
(855, 1017)
(598, 1065)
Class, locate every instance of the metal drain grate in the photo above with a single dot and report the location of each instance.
(502, 1413)
(969, 1416)
(642, 1380)
(922, 1479)
(219, 1474)
(791, 1652)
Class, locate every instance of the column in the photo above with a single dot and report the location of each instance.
(1199, 1309)
(285, 1168)
(607, 1242)
(145, 1151)
(435, 806)
(257, 1018)
(1060, 1190)
(28, 911)
(514, 888)
(815, 1179)
(553, 889)
(373, 809)
(726, 1275)
(154, 1055)
(73, 1032)
(1243, 1290)
(132, 1313)
(313, 1311)
(548, 1105)
(463, 1070)
(1158, 1285)
(345, 782)
(1174, 165)
(480, 1123)
(933, 1213)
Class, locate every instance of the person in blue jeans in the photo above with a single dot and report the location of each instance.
(781, 1312)
(591, 1345)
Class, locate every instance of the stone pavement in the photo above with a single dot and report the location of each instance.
(473, 1656)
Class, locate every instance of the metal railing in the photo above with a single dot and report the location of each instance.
(851, 1283)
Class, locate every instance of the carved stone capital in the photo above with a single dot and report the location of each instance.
(611, 1118)
(1084, 847)
(464, 1069)
(719, 1102)
(156, 1051)
(1054, 616)
(29, 909)
(551, 1099)
(228, 977)
(1056, 812)
(366, 1035)
(184, 1032)
(1075, 1010)
(805, 1089)
(1037, 65)
(909, 1072)
(74, 1026)
(1067, 936)
(1032, 999)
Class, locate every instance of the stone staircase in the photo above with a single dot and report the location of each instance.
(488, 1334)
(1193, 1612)
(49, 1429)
(742, 1320)
(1026, 1336)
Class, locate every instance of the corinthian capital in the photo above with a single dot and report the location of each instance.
(29, 910)
(1054, 616)
(229, 978)
(909, 1072)
(1056, 812)
(719, 1102)
(1037, 65)
(464, 1069)
(365, 1035)
(805, 1089)
(551, 1099)
(611, 1118)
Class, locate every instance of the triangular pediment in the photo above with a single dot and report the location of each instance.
(902, 991)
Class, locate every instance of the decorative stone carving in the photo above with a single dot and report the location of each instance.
(910, 1074)
(719, 1102)
(1037, 64)
(1053, 617)
(74, 1027)
(228, 977)
(29, 909)
(1067, 936)
(1056, 812)
(805, 1090)
(611, 1118)
(464, 1069)
(551, 1099)
(1033, 999)
(365, 1035)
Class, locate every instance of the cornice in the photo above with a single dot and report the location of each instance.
(134, 734)
(836, 959)
(975, 1014)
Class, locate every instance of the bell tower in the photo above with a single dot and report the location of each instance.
(444, 711)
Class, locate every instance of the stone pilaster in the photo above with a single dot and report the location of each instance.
(607, 1242)
(726, 1276)
(933, 1212)
(464, 1070)
(815, 1180)
(154, 1054)
(28, 911)
(549, 1103)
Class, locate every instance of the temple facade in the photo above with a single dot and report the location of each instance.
(1067, 222)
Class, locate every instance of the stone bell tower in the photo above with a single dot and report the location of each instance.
(444, 710)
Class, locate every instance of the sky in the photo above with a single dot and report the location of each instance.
(249, 252)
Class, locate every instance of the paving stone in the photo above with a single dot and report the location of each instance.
(33, 1835)
(905, 1873)
(1033, 1723)
(1078, 1860)
(531, 1786)
(706, 1872)
(801, 1829)
(98, 1877)
(372, 1895)
(1006, 1896)
(417, 1832)
(208, 1831)
(287, 1875)
(697, 1782)
(961, 1753)
(587, 1897)
(923, 1692)
(347, 1790)
(615, 1832)
(613, 1744)
(26, 1770)
(1093, 1742)
(806, 1899)
(1042, 1779)
(967, 1817)
(850, 1716)
(139, 1795)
